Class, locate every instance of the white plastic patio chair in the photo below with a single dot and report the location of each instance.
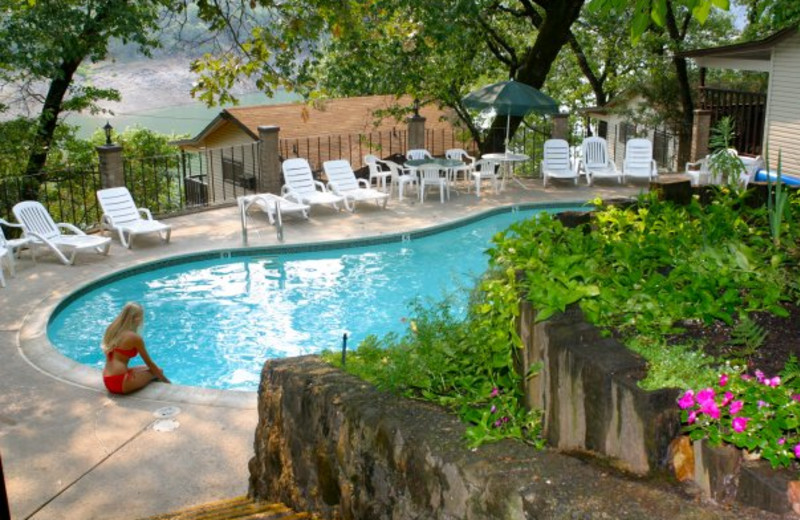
(377, 172)
(459, 154)
(6, 256)
(342, 181)
(301, 187)
(485, 169)
(400, 177)
(15, 245)
(595, 161)
(417, 154)
(697, 171)
(556, 162)
(431, 174)
(120, 214)
(639, 162)
(39, 227)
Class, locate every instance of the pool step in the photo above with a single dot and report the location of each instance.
(239, 508)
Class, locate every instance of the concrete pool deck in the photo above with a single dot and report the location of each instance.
(71, 450)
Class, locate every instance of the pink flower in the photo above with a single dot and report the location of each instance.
(796, 397)
(763, 404)
(493, 410)
(723, 380)
(735, 407)
(797, 451)
(709, 407)
(728, 399)
(781, 441)
(745, 377)
(687, 400)
(495, 392)
(707, 394)
(498, 423)
(692, 417)
(775, 381)
(759, 376)
(739, 424)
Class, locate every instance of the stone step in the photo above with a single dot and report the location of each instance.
(239, 508)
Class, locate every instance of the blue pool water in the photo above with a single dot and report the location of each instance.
(213, 323)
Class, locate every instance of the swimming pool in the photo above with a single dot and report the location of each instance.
(213, 319)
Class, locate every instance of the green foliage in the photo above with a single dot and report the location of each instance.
(777, 207)
(724, 162)
(465, 365)
(746, 338)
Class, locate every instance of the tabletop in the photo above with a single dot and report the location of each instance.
(509, 157)
(446, 163)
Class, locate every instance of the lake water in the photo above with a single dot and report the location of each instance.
(188, 118)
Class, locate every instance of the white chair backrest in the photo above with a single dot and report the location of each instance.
(34, 218)
(118, 205)
(393, 167)
(556, 155)
(486, 166)
(373, 163)
(297, 175)
(341, 175)
(430, 172)
(638, 155)
(457, 154)
(417, 154)
(594, 151)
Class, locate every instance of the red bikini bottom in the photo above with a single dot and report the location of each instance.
(114, 383)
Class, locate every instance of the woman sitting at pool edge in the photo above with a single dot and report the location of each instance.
(121, 343)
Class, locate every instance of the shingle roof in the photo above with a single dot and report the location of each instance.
(333, 116)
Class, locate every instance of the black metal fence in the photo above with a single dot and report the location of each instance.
(747, 109)
(69, 195)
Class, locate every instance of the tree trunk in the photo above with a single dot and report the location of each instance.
(687, 107)
(46, 127)
(553, 34)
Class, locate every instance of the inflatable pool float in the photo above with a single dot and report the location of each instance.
(772, 176)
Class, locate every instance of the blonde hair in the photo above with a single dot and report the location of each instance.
(128, 320)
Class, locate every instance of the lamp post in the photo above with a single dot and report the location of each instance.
(107, 129)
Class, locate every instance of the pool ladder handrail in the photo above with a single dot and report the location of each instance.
(244, 203)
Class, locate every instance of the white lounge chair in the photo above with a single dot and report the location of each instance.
(120, 214)
(301, 187)
(342, 181)
(42, 231)
(556, 162)
(400, 177)
(595, 161)
(639, 161)
(272, 204)
(6, 255)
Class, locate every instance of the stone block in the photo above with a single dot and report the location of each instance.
(677, 190)
(762, 487)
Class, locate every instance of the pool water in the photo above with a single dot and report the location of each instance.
(213, 323)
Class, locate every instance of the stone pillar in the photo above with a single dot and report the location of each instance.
(112, 173)
(701, 131)
(270, 180)
(416, 132)
(560, 128)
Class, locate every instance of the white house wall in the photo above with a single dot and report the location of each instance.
(783, 106)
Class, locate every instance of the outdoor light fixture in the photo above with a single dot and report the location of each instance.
(107, 129)
(415, 107)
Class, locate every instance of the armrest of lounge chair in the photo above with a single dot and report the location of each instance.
(146, 213)
(69, 227)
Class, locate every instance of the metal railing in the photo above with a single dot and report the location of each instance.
(69, 195)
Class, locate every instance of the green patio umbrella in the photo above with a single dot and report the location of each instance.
(510, 98)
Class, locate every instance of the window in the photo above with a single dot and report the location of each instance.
(626, 131)
(233, 172)
(602, 129)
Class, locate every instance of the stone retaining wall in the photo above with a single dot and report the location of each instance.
(588, 390)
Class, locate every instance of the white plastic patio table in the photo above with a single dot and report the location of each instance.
(447, 165)
(507, 160)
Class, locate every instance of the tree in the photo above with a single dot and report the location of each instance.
(47, 40)
(416, 40)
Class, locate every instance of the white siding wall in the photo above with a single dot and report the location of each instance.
(783, 115)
